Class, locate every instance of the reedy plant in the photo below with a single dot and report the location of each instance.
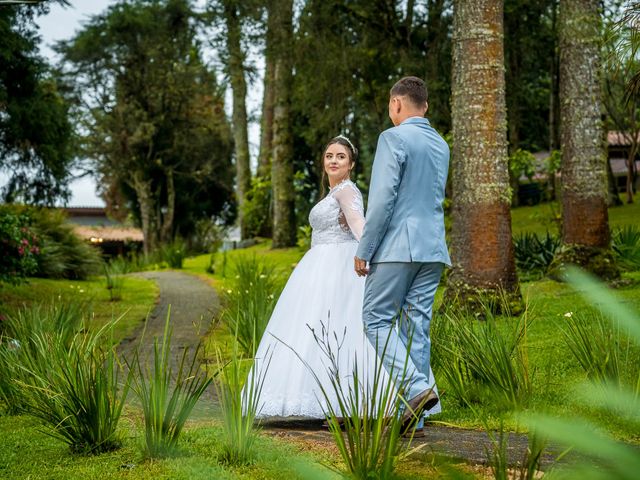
(609, 458)
(239, 397)
(366, 424)
(167, 402)
(250, 302)
(74, 388)
(482, 357)
(625, 242)
(21, 327)
(602, 347)
(114, 278)
(174, 253)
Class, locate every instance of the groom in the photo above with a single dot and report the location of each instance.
(404, 243)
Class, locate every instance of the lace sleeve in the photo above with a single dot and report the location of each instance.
(351, 205)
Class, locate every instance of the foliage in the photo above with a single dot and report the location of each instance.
(63, 254)
(60, 318)
(534, 254)
(626, 246)
(114, 278)
(257, 208)
(19, 247)
(304, 237)
(366, 424)
(174, 253)
(239, 396)
(483, 359)
(250, 300)
(36, 148)
(166, 401)
(75, 388)
(152, 114)
(522, 162)
(603, 457)
(526, 469)
(603, 349)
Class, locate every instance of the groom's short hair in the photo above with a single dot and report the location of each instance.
(412, 87)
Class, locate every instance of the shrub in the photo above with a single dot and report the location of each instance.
(626, 245)
(63, 253)
(250, 301)
(534, 254)
(64, 319)
(483, 359)
(256, 208)
(114, 278)
(166, 401)
(174, 253)
(19, 247)
(74, 388)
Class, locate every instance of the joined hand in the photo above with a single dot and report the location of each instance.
(360, 266)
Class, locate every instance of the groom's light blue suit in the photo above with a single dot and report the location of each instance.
(404, 243)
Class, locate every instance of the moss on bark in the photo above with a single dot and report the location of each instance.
(597, 260)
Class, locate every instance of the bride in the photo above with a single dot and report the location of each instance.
(321, 302)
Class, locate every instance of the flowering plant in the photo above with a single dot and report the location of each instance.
(19, 246)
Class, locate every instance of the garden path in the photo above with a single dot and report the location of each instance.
(193, 305)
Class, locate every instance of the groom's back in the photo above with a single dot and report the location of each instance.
(416, 229)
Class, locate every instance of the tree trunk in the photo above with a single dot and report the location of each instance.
(166, 232)
(554, 104)
(481, 243)
(585, 223)
(143, 192)
(284, 229)
(266, 124)
(239, 87)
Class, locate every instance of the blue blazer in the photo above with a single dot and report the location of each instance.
(405, 218)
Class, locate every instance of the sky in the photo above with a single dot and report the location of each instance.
(61, 23)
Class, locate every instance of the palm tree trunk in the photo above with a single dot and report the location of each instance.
(239, 87)
(481, 243)
(284, 229)
(585, 222)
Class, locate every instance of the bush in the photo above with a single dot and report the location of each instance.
(626, 245)
(256, 208)
(174, 253)
(534, 254)
(16, 343)
(62, 253)
(19, 247)
(483, 360)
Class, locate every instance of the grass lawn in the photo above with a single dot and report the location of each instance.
(26, 452)
(138, 297)
(546, 217)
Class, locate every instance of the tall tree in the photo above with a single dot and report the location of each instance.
(585, 223)
(284, 224)
(233, 13)
(266, 121)
(36, 136)
(153, 114)
(481, 243)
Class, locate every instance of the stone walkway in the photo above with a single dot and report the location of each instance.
(193, 305)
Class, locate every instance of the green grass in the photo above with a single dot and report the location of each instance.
(545, 217)
(138, 297)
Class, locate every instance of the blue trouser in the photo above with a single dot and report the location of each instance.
(402, 293)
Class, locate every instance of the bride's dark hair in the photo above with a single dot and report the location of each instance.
(353, 157)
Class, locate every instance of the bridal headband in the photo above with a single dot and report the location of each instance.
(346, 139)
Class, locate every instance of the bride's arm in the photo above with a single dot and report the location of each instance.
(350, 201)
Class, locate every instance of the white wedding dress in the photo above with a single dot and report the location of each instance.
(320, 307)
